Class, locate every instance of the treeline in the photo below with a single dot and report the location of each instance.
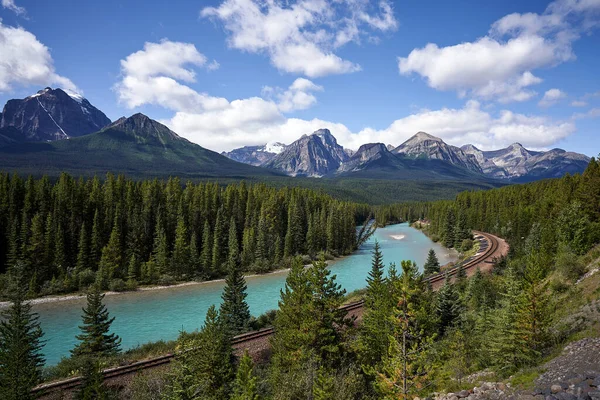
(554, 215)
(119, 232)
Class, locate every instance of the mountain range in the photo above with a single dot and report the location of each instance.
(56, 130)
(48, 115)
(319, 155)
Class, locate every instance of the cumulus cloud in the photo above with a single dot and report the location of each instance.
(579, 103)
(158, 75)
(299, 96)
(593, 113)
(26, 61)
(499, 65)
(152, 75)
(301, 37)
(10, 5)
(551, 97)
(469, 124)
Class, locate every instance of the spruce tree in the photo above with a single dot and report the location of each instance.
(234, 311)
(92, 387)
(181, 253)
(111, 261)
(21, 360)
(206, 254)
(377, 326)
(203, 368)
(245, 386)
(448, 305)
(324, 386)
(83, 252)
(432, 265)
(405, 367)
(95, 338)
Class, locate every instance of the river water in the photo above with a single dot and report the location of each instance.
(148, 316)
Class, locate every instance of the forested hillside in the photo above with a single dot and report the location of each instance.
(122, 232)
(550, 215)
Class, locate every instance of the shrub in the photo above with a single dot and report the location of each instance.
(263, 321)
(166, 280)
(466, 245)
(558, 286)
(435, 238)
(86, 278)
(117, 285)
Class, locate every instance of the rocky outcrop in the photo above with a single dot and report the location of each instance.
(52, 114)
(427, 146)
(369, 156)
(313, 155)
(517, 163)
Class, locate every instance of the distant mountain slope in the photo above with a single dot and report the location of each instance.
(517, 163)
(255, 155)
(425, 145)
(52, 114)
(421, 156)
(137, 146)
(314, 155)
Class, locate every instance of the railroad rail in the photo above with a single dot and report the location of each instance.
(489, 244)
(238, 342)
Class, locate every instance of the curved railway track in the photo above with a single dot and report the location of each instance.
(491, 244)
(239, 342)
(245, 340)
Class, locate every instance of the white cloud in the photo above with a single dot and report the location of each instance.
(298, 96)
(499, 65)
(26, 61)
(593, 113)
(150, 76)
(470, 124)
(10, 5)
(219, 124)
(551, 97)
(579, 103)
(300, 36)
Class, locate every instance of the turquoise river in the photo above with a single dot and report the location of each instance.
(152, 315)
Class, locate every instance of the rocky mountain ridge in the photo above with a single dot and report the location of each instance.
(325, 157)
(51, 114)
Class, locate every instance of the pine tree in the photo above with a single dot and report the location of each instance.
(83, 250)
(245, 386)
(449, 230)
(95, 338)
(405, 369)
(204, 365)
(206, 255)
(432, 265)
(234, 311)
(377, 326)
(376, 284)
(181, 252)
(448, 306)
(111, 261)
(92, 387)
(218, 250)
(160, 252)
(324, 386)
(21, 342)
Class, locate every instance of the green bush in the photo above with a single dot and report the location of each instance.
(166, 280)
(466, 245)
(117, 285)
(86, 278)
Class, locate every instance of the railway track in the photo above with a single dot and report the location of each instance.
(238, 342)
(489, 242)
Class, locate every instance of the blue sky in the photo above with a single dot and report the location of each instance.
(240, 72)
